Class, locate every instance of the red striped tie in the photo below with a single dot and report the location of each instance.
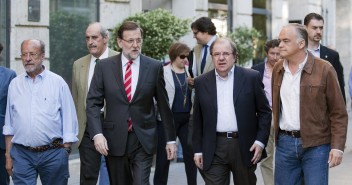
(128, 88)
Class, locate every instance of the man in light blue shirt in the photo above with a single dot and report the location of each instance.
(40, 122)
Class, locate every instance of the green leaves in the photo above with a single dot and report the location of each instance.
(246, 40)
(160, 28)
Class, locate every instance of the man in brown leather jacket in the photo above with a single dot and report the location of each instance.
(310, 116)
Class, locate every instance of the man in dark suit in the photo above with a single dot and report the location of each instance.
(6, 75)
(128, 83)
(91, 161)
(231, 119)
(314, 24)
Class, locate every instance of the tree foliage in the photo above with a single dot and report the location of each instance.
(160, 30)
(67, 44)
(246, 40)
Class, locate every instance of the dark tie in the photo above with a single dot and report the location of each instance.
(204, 59)
(128, 89)
(97, 60)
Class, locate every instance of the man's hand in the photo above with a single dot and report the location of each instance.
(190, 81)
(335, 158)
(257, 153)
(198, 159)
(101, 144)
(8, 164)
(171, 151)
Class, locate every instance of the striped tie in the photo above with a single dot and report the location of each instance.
(128, 89)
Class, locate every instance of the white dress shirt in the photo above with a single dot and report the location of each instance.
(226, 119)
(134, 69)
(289, 95)
(92, 65)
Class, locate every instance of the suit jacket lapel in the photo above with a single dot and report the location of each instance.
(84, 76)
(323, 53)
(211, 90)
(117, 71)
(237, 83)
(143, 73)
(168, 76)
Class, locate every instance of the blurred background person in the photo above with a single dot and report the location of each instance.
(6, 75)
(265, 69)
(314, 24)
(179, 93)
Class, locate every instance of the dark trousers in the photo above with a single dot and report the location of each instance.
(162, 164)
(4, 177)
(132, 168)
(90, 161)
(227, 158)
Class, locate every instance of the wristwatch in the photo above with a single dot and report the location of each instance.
(68, 150)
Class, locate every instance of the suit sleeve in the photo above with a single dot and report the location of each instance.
(197, 121)
(74, 86)
(337, 114)
(163, 106)
(339, 70)
(263, 112)
(95, 102)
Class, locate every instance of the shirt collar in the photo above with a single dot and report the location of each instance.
(125, 60)
(315, 50)
(230, 73)
(300, 66)
(105, 54)
(211, 40)
(41, 75)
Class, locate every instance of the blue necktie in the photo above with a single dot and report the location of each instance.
(204, 59)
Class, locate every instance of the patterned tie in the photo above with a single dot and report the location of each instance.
(204, 59)
(128, 89)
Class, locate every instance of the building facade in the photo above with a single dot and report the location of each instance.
(41, 19)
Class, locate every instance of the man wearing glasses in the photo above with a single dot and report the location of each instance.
(231, 119)
(129, 83)
(204, 31)
(40, 122)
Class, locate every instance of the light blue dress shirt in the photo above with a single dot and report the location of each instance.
(41, 110)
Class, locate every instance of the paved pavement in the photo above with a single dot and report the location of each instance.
(340, 175)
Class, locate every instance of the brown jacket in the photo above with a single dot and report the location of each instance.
(323, 115)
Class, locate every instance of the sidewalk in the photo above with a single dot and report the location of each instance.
(340, 175)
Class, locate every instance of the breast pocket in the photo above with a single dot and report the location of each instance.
(49, 106)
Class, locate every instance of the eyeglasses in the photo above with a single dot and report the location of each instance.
(183, 56)
(31, 55)
(132, 41)
(224, 54)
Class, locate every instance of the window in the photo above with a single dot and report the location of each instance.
(4, 32)
(68, 22)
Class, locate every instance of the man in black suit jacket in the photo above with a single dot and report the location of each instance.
(129, 152)
(314, 24)
(231, 119)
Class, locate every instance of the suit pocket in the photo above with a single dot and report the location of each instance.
(108, 125)
(148, 125)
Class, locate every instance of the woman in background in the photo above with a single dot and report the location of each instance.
(179, 93)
